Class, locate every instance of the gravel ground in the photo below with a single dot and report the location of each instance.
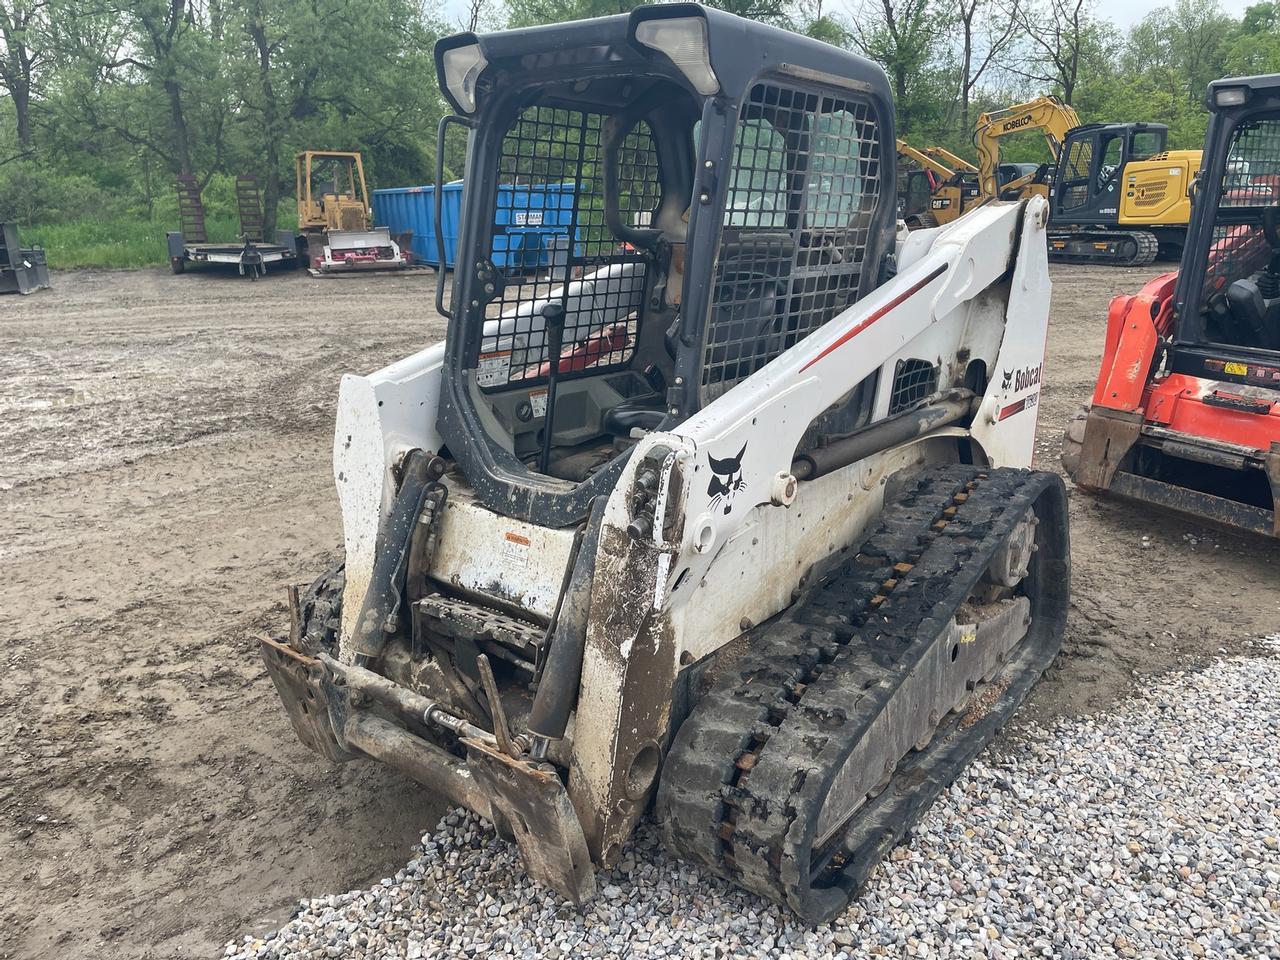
(1148, 832)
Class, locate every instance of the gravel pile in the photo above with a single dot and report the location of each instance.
(1148, 833)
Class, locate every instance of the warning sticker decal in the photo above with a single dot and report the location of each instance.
(494, 369)
(538, 400)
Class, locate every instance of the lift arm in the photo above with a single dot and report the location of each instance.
(1047, 114)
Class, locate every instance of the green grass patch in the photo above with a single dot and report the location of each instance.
(113, 243)
(120, 243)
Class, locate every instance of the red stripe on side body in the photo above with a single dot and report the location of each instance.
(895, 302)
(1016, 407)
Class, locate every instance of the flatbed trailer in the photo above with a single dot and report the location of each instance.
(250, 258)
(250, 254)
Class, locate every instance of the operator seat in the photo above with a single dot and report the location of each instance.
(1255, 315)
(635, 413)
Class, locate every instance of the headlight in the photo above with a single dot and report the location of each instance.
(1230, 96)
(684, 40)
(462, 68)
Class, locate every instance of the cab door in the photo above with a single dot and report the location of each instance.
(1090, 177)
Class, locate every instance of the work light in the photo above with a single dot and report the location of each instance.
(462, 68)
(1230, 96)
(684, 41)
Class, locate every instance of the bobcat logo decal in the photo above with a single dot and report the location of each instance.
(726, 479)
(1022, 378)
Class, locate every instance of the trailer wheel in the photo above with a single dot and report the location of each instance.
(178, 264)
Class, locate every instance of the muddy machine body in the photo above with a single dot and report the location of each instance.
(727, 513)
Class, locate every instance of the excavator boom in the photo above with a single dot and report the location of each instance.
(1049, 115)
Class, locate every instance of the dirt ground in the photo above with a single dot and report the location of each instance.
(164, 471)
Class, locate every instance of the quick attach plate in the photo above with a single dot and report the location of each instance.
(298, 680)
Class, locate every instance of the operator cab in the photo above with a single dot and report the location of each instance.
(1089, 185)
(915, 191)
(657, 205)
(1006, 173)
(1229, 289)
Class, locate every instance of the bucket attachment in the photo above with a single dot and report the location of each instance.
(536, 807)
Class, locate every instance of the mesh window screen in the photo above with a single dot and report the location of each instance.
(1237, 251)
(913, 381)
(804, 183)
(551, 242)
(1251, 179)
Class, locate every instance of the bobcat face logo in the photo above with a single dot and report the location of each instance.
(726, 479)
(1007, 381)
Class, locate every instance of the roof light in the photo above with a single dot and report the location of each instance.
(684, 40)
(1230, 96)
(462, 68)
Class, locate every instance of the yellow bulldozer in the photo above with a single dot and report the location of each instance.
(335, 217)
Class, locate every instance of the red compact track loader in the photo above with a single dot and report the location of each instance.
(1186, 412)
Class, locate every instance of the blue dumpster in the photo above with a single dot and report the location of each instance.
(532, 222)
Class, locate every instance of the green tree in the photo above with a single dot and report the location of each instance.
(902, 36)
(1058, 41)
(1254, 45)
(333, 74)
(24, 47)
(1188, 42)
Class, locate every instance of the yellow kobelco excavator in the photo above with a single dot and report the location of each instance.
(1116, 193)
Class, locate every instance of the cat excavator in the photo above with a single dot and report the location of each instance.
(1186, 411)
(937, 186)
(1117, 195)
(728, 515)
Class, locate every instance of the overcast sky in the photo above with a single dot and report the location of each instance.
(1129, 12)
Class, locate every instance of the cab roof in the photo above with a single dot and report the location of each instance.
(739, 51)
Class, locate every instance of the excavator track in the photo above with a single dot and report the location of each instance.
(845, 717)
(1121, 248)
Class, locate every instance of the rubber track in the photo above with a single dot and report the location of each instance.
(745, 778)
(1148, 249)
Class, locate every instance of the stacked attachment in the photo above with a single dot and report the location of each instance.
(21, 271)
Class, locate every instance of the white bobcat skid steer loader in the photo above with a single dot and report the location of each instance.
(730, 514)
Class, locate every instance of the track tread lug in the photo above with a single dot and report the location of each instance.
(821, 703)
